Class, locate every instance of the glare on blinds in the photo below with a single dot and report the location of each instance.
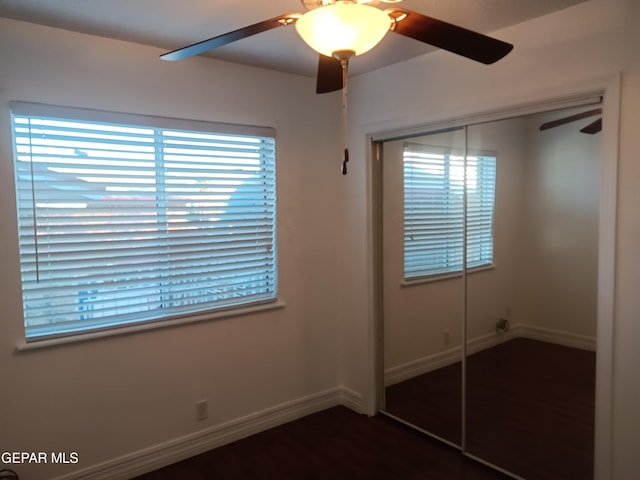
(121, 223)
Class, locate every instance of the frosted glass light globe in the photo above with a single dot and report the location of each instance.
(343, 27)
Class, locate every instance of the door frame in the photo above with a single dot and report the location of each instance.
(609, 89)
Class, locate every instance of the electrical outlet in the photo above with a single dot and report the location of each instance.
(446, 337)
(502, 325)
(202, 410)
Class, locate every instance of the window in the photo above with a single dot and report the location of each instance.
(126, 219)
(434, 210)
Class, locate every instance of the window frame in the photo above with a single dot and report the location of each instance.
(155, 122)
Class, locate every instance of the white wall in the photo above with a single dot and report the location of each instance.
(556, 55)
(559, 261)
(116, 396)
(491, 293)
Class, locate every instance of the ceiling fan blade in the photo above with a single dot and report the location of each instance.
(329, 75)
(447, 36)
(593, 127)
(570, 118)
(220, 40)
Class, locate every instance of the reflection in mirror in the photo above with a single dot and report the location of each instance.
(422, 237)
(531, 319)
(521, 197)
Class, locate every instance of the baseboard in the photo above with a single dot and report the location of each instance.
(448, 357)
(558, 337)
(161, 455)
(442, 359)
(422, 365)
(351, 400)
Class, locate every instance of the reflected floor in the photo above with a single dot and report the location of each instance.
(432, 402)
(530, 407)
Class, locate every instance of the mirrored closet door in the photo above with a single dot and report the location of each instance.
(489, 236)
(422, 229)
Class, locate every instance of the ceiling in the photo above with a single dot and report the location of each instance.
(172, 24)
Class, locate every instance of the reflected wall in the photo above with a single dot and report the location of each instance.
(423, 313)
(530, 387)
(500, 359)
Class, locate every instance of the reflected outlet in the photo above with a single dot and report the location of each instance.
(446, 337)
(202, 410)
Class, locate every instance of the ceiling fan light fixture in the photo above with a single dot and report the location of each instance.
(343, 26)
(311, 4)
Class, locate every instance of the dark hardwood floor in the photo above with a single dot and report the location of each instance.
(530, 407)
(334, 444)
(432, 402)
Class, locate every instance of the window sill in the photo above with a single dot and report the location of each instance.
(126, 330)
(444, 276)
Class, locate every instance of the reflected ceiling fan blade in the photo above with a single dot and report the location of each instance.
(593, 127)
(329, 74)
(570, 118)
(447, 36)
(220, 40)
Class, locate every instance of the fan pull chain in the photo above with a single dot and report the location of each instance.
(345, 114)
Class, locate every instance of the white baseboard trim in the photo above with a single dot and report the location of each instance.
(558, 337)
(351, 399)
(442, 359)
(448, 357)
(158, 456)
(420, 366)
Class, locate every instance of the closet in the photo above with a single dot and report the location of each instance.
(488, 284)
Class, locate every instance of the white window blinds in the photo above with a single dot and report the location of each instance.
(126, 219)
(434, 210)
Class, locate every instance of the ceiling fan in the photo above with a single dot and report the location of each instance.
(339, 29)
(592, 128)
